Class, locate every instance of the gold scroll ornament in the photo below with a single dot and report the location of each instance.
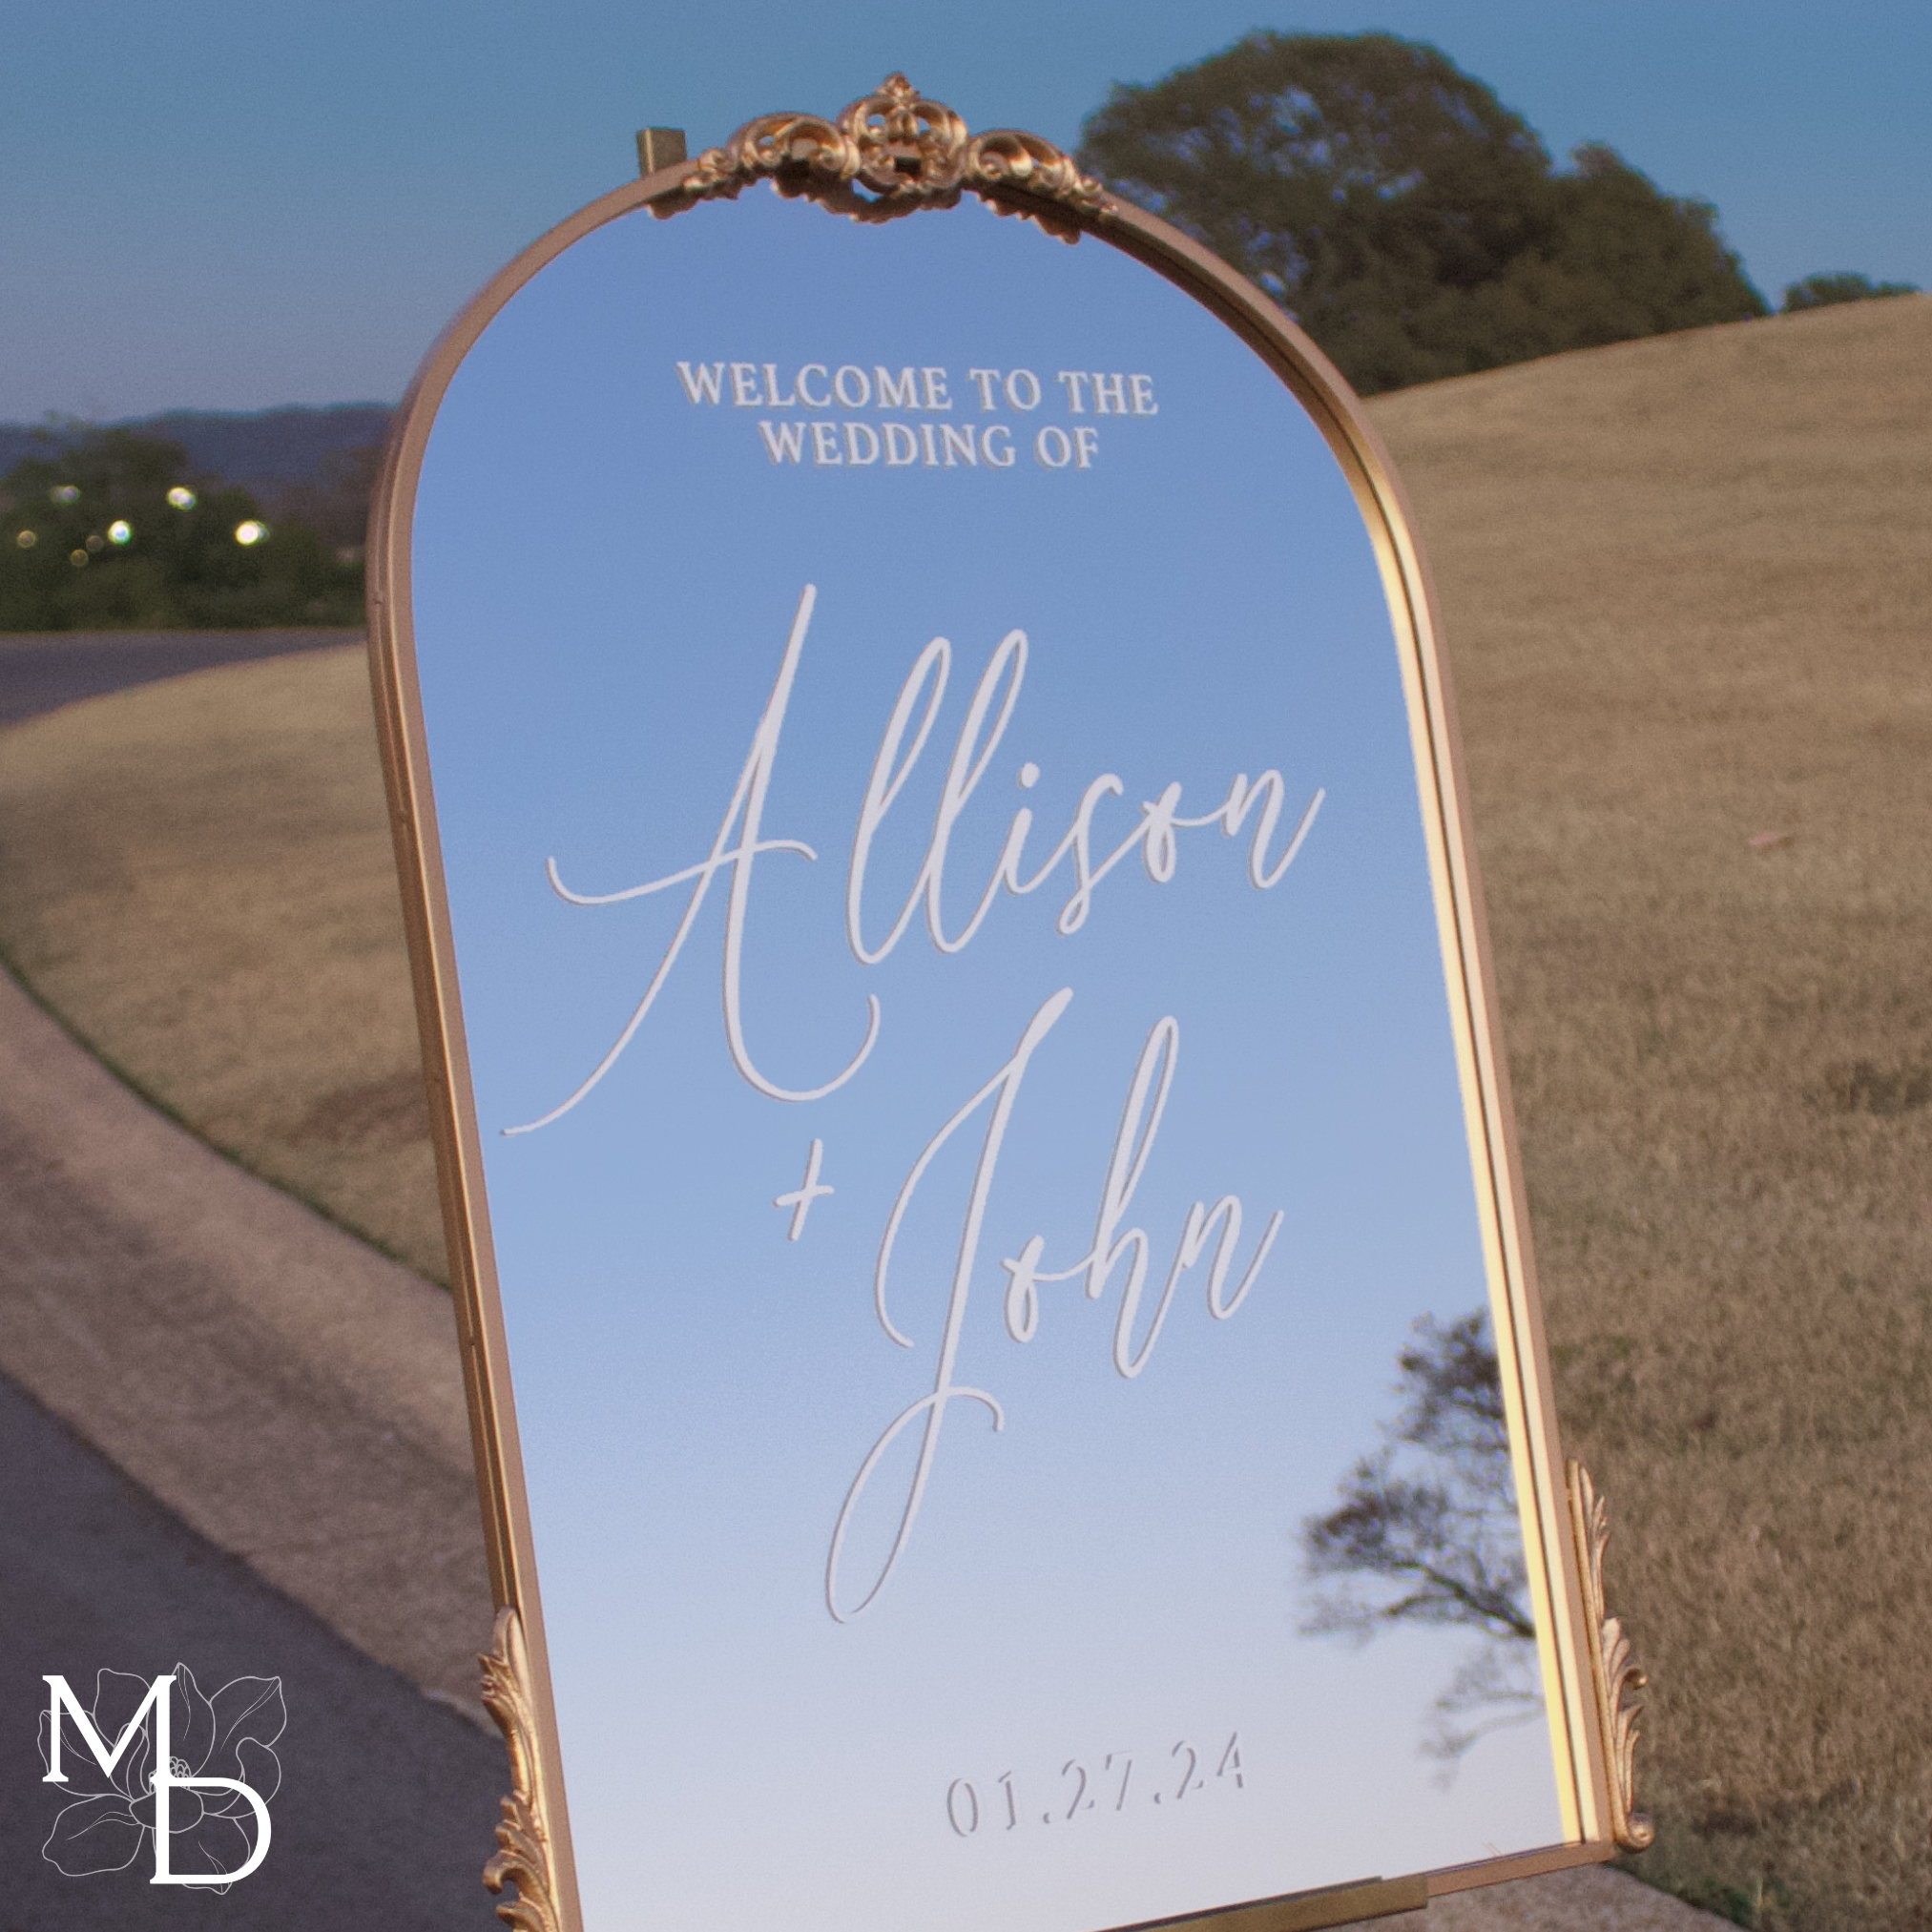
(1611, 1668)
(522, 1836)
(903, 152)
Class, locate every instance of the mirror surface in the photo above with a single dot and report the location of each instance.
(965, 1339)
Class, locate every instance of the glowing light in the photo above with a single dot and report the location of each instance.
(26, 539)
(120, 532)
(77, 558)
(96, 543)
(64, 492)
(252, 531)
(181, 499)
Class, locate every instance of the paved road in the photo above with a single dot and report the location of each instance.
(291, 1395)
(388, 1799)
(41, 671)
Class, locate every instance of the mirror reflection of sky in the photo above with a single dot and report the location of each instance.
(605, 578)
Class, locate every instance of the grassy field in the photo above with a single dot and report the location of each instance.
(197, 877)
(1687, 586)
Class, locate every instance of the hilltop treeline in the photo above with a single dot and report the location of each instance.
(1415, 226)
(268, 451)
(112, 529)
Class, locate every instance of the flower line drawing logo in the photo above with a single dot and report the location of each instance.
(186, 1773)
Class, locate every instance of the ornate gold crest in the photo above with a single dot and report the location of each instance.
(890, 153)
(1615, 1673)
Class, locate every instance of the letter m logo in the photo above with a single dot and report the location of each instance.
(62, 1698)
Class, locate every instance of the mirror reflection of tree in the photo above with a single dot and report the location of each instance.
(1426, 1532)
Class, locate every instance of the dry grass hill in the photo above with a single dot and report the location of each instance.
(1688, 589)
(1687, 586)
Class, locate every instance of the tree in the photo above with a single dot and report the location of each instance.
(1428, 1532)
(334, 501)
(103, 529)
(1821, 291)
(1411, 223)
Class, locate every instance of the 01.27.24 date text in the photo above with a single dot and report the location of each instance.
(1116, 1786)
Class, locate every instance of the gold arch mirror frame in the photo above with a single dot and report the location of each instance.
(891, 155)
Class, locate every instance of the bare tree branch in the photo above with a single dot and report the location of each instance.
(1426, 1529)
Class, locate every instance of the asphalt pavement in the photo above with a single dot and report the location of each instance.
(387, 1802)
(388, 1796)
(42, 671)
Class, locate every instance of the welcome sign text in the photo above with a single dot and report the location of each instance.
(849, 415)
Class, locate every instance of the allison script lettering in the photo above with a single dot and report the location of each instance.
(740, 842)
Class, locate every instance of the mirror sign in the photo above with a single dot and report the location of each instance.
(986, 1237)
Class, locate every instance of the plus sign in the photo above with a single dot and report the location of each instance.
(799, 1200)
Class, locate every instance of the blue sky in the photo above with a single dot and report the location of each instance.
(219, 205)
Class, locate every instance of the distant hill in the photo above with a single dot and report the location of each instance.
(269, 451)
